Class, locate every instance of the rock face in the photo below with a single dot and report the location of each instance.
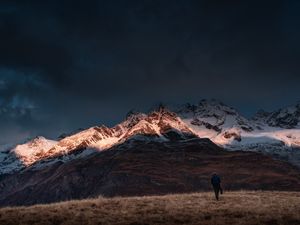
(136, 167)
(285, 118)
(213, 114)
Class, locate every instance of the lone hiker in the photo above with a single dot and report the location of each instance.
(216, 183)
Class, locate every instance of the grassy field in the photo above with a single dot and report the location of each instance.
(198, 208)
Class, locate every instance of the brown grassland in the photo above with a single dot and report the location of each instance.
(241, 207)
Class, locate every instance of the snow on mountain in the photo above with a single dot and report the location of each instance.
(208, 119)
(161, 125)
(269, 133)
(33, 149)
(212, 114)
(225, 126)
(24, 155)
(288, 117)
(214, 120)
(156, 124)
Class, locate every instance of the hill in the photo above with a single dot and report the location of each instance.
(244, 208)
(139, 167)
(276, 134)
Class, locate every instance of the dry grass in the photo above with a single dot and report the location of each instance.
(199, 208)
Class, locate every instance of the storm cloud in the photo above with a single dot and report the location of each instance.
(71, 64)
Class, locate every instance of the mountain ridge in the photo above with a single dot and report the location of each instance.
(136, 168)
(212, 119)
(160, 152)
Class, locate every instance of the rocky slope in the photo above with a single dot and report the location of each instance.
(136, 167)
(288, 117)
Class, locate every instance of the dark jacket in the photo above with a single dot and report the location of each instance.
(215, 180)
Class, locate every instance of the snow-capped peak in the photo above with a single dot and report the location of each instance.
(161, 125)
(288, 117)
(213, 115)
(211, 119)
(31, 151)
(24, 155)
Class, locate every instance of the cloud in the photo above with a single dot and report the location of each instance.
(74, 64)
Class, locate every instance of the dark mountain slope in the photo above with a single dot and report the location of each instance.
(148, 168)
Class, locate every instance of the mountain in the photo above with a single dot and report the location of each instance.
(24, 155)
(136, 167)
(211, 119)
(288, 117)
(161, 125)
(215, 120)
(170, 149)
(213, 115)
(227, 128)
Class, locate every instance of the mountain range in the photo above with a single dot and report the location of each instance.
(170, 149)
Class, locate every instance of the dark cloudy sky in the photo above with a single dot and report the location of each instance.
(71, 64)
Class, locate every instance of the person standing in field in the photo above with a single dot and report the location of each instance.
(216, 183)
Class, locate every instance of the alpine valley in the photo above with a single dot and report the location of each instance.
(168, 150)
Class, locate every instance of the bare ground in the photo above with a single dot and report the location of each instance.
(244, 207)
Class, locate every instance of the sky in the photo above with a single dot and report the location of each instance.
(65, 65)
